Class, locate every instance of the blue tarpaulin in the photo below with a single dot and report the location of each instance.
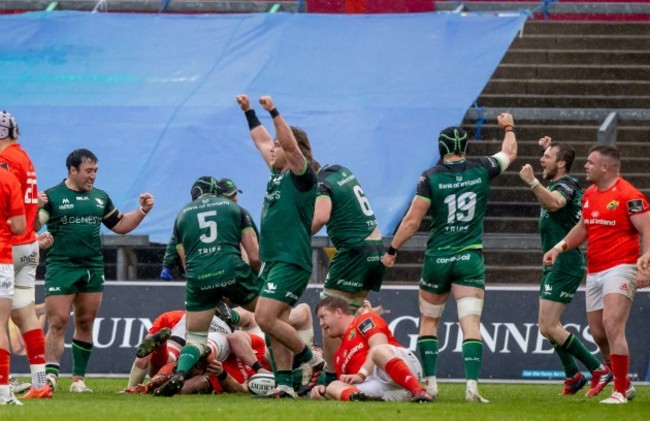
(153, 96)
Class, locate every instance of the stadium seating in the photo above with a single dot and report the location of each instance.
(560, 79)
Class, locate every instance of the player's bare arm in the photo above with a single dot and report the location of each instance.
(296, 160)
(642, 224)
(509, 145)
(322, 213)
(261, 137)
(181, 254)
(551, 201)
(132, 219)
(252, 248)
(408, 227)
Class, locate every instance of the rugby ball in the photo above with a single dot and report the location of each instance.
(261, 383)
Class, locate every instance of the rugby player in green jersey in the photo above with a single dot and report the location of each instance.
(208, 232)
(285, 245)
(455, 193)
(74, 271)
(561, 204)
(356, 268)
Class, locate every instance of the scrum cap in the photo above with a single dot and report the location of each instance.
(205, 185)
(228, 187)
(452, 140)
(8, 126)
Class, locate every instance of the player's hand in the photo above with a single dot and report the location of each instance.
(527, 174)
(267, 102)
(244, 102)
(351, 378)
(643, 264)
(45, 240)
(146, 201)
(642, 280)
(42, 199)
(389, 260)
(318, 392)
(551, 256)
(505, 119)
(214, 368)
(544, 142)
(166, 274)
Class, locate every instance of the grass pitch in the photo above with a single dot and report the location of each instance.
(507, 402)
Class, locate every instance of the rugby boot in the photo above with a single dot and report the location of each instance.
(574, 384)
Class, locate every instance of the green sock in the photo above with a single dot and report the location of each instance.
(189, 356)
(52, 368)
(284, 377)
(80, 355)
(472, 358)
(568, 362)
(428, 349)
(271, 357)
(575, 347)
(302, 357)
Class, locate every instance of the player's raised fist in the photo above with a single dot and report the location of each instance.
(544, 142)
(505, 119)
(267, 102)
(244, 102)
(527, 173)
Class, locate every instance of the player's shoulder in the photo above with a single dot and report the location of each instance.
(329, 170)
(626, 187)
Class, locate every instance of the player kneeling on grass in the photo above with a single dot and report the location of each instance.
(370, 363)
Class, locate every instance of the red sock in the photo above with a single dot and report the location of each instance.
(620, 367)
(35, 344)
(4, 366)
(345, 394)
(402, 375)
(159, 357)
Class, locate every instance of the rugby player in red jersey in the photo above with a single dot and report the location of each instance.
(614, 215)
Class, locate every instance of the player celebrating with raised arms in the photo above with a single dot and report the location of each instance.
(561, 207)
(455, 193)
(614, 216)
(74, 273)
(285, 243)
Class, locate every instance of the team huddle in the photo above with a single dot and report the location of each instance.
(242, 329)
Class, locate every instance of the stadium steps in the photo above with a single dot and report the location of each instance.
(564, 74)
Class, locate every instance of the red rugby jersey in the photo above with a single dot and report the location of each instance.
(352, 353)
(612, 238)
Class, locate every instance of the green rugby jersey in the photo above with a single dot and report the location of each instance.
(352, 218)
(74, 222)
(458, 193)
(210, 230)
(286, 218)
(554, 226)
(171, 259)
